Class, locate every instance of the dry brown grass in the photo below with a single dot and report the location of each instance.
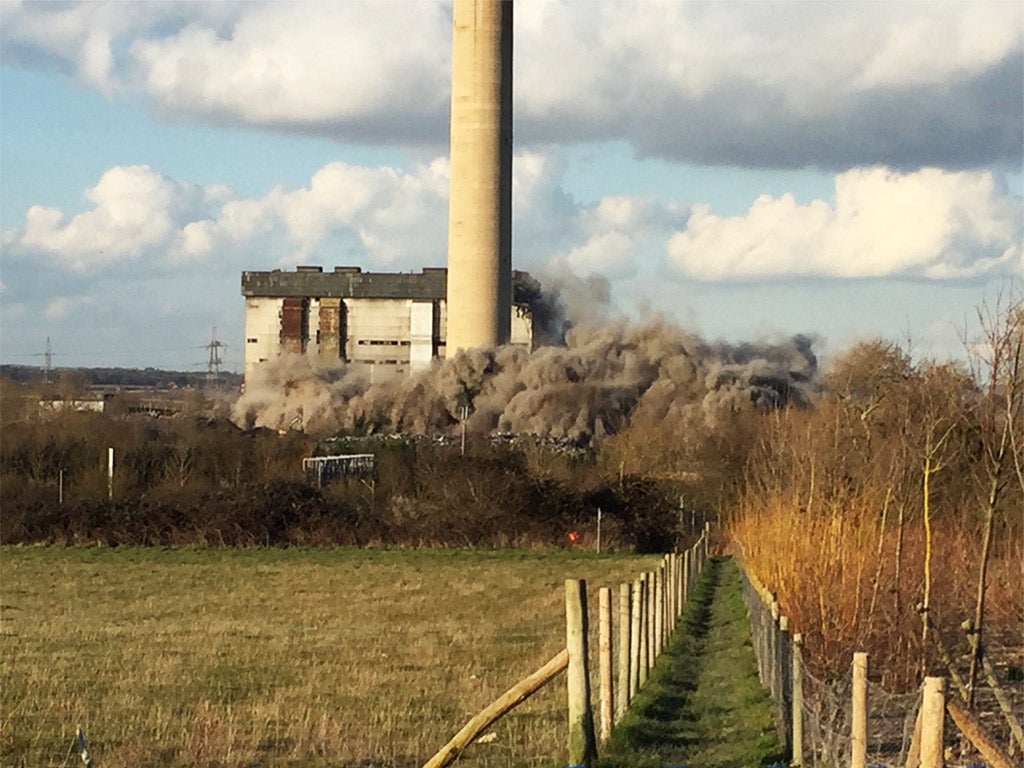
(281, 657)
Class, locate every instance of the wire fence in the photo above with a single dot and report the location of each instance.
(827, 718)
(829, 723)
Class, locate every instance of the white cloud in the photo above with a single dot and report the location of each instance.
(389, 217)
(380, 218)
(951, 42)
(308, 64)
(618, 232)
(772, 84)
(134, 212)
(83, 36)
(928, 224)
(776, 84)
(394, 213)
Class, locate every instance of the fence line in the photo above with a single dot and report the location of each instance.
(649, 610)
(849, 722)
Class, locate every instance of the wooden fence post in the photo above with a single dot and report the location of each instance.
(859, 719)
(625, 646)
(763, 641)
(670, 594)
(676, 597)
(798, 701)
(666, 601)
(110, 474)
(644, 637)
(785, 680)
(635, 640)
(604, 643)
(680, 584)
(582, 744)
(651, 610)
(686, 576)
(933, 715)
(773, 652)
(659, 616)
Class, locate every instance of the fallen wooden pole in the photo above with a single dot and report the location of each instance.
(512, 698)
(1004, 704)
(975, 732)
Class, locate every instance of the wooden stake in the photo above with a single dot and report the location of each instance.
(798, 700)
(859, 720)
(659, 616)
(686, 576)
(785, 697)
(773, 653)
(651, 611)
(582, 743)
(933, 716)
(625, 645)
(635, 640)
(645, 637)
(110, 473)
(675, 592)
(604, 648)
(914, 752)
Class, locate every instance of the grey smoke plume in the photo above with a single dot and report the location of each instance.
(605, 376)
(566, 301)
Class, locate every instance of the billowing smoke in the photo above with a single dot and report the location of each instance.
(605, 376)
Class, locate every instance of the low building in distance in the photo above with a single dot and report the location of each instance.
(387, 323)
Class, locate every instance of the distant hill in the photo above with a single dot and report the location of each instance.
(123, 377)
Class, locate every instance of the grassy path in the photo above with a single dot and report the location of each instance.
(703, 706)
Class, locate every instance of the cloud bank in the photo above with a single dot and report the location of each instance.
(930, 224)
(775, 85)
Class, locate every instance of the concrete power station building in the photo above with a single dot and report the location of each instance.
(398, 323)
(383, 323)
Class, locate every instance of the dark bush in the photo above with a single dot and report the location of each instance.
(205, 482)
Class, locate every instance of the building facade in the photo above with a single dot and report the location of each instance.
(385, 323)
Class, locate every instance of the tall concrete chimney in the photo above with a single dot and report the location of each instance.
(480, 198)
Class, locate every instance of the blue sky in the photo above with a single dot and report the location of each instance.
(752, 171)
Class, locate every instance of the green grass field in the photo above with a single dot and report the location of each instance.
(281, 657)
(703, 705)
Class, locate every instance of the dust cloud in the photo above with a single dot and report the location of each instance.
(604, 375)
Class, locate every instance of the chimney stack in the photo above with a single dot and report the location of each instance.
(479, 294)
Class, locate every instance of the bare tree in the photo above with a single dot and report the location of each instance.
(997, 363)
